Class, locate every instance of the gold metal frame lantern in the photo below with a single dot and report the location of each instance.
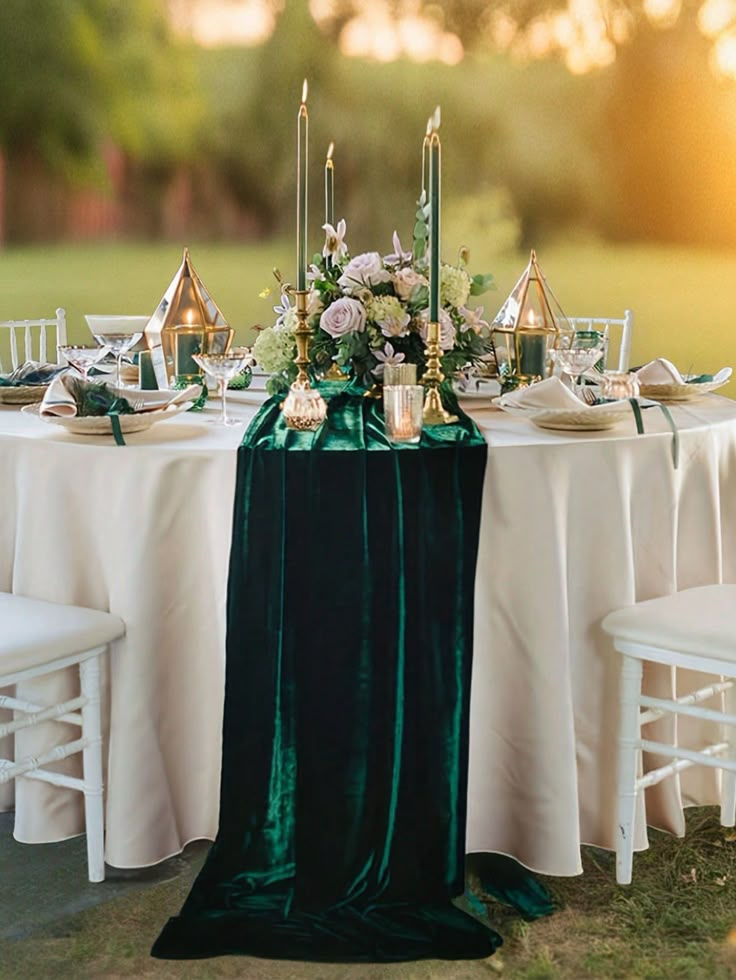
(187, 321)
(529, 324)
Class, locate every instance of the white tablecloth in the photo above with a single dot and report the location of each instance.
(573, 525)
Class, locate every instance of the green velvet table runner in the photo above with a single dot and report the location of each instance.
(345, 735)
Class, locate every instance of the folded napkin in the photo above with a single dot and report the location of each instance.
(663, 372)
(32, 373)
(548, 394)
(62, 398)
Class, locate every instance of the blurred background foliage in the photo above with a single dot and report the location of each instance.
(602, 132)
(190, 141)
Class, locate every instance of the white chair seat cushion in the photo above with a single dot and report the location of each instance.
(699, 621)
(34, 633)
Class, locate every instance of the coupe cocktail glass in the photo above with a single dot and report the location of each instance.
(83, 358)
(221, 368)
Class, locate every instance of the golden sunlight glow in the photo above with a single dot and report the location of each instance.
(715, 16)
(376, 31)
(723, 55)
(585, 33)
(662, 13)
(213, 23)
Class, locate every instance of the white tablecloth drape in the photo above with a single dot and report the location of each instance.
(573, 525)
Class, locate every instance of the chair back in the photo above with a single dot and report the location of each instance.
(31, 340)
(619, 353)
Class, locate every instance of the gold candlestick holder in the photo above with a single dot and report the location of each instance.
(433, 412)
(304, 408)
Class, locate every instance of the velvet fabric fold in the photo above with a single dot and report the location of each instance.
(345, 734)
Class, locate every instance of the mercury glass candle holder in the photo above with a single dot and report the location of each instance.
(619, 384)
(400, 374)
(403, 406)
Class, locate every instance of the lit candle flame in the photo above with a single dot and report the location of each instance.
(330, 150)
(436, 119)
(304, 92)
(429, 128)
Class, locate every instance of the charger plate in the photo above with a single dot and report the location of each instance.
(101, 425)
(585, 419)
(22, 394)
(674, 392)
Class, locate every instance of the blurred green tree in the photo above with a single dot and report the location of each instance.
(74, 73)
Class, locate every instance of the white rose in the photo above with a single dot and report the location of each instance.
(406, 281)
(364, 270)
(343, 316)
(447, 329)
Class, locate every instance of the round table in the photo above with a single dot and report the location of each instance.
(573, 526)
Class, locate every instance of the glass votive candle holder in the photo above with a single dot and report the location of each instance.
(304, 409)
(402, 405)
(400, 374)
(619, 384)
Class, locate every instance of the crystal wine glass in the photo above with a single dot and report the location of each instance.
(575, 361)
(118, 344)
(82, 358)
(221, 368)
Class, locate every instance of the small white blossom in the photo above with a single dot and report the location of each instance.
(387, 356)
(334, 246)
(473, 319)
(398, 256)
(283, 310)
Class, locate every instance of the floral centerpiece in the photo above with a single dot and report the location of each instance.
(371, 310)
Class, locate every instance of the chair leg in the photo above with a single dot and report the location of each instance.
(89, 674)
(628, 757)
(728, 779)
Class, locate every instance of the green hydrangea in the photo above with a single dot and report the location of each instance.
(454, 286)
(389, 314)
(274, 350)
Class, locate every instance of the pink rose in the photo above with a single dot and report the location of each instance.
(342, 317)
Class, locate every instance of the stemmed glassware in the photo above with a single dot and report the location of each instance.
(575, 361)
(118, 344)
(83, 358)
(222, 368)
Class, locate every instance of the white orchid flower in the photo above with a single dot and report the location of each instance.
(473, 319)
(387, 356)
(334, 246)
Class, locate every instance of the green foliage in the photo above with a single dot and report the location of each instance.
(75, 73)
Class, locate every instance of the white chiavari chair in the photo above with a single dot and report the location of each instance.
(31, 340)
(691, 630)
(39, 638)
(622, 326)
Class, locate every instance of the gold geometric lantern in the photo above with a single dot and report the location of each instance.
(187, 321)
(529, 324)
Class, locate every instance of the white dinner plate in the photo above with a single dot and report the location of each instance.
(673, 392)
(96, 425)
(587, 418)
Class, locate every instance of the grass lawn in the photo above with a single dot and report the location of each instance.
(677, 921)
(681, 297)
